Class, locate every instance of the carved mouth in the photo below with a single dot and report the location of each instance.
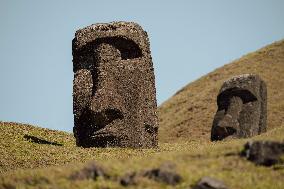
(223, 132)
(103, 118)
(104, 140)
(95, 127)
(102, 134)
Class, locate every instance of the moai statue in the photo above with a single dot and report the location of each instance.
(242, 112)
(114, 95)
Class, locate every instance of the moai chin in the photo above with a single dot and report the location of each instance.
(114, 95)
(242, 112)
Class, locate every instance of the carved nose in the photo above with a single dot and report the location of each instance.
(106, 105)
(229, 124)
(105, 117)
(97, 126)
(224, 128)
(105, 97)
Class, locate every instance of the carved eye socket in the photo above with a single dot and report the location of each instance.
(85, 57)
(224, 97)
(128, 49)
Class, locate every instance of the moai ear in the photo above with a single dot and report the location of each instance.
(82, 90)
(263, 115)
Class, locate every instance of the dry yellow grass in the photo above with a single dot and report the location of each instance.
(16, 152)
(188, 115)
(185, 123)
(192, 159)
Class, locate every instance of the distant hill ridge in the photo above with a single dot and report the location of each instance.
(188, 115)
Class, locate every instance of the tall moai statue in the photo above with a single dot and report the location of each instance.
(114, 95)
(242, 108)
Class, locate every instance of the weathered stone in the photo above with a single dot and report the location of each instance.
(165, 173)
(242, 111)
(209, 183)
(129, 179)
(90, 171)
(114, 95)
(265, 153)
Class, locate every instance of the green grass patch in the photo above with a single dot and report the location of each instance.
(32, 165)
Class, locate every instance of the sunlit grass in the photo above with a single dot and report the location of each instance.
(185, 123)
(192, 159)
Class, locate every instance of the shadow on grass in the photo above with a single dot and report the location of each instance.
(40, 141)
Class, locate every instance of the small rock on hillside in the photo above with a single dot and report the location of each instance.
(265, 153)
(209, 183)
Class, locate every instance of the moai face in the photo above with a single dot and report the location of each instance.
(114, 94)
(241, 108)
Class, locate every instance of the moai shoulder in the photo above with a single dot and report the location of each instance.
(242, 108)
(114, 95)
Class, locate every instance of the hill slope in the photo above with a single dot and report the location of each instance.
(188, 115)
(21, 147)
(27, 164)
(33, 157)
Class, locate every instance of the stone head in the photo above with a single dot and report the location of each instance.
(114, 96)
(241, 108)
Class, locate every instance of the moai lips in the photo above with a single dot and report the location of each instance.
(114, 94)
(242, 111)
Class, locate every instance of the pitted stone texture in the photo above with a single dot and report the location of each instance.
(242, 108)
(266, 153)
(209, 183)
(114, 95)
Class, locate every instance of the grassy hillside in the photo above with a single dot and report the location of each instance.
(192, 159)
(188, 115)
(18, 152)
(34, 157)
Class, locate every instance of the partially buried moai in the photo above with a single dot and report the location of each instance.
(114, 95)
(242, 112)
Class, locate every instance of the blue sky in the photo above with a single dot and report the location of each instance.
(188, 39)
